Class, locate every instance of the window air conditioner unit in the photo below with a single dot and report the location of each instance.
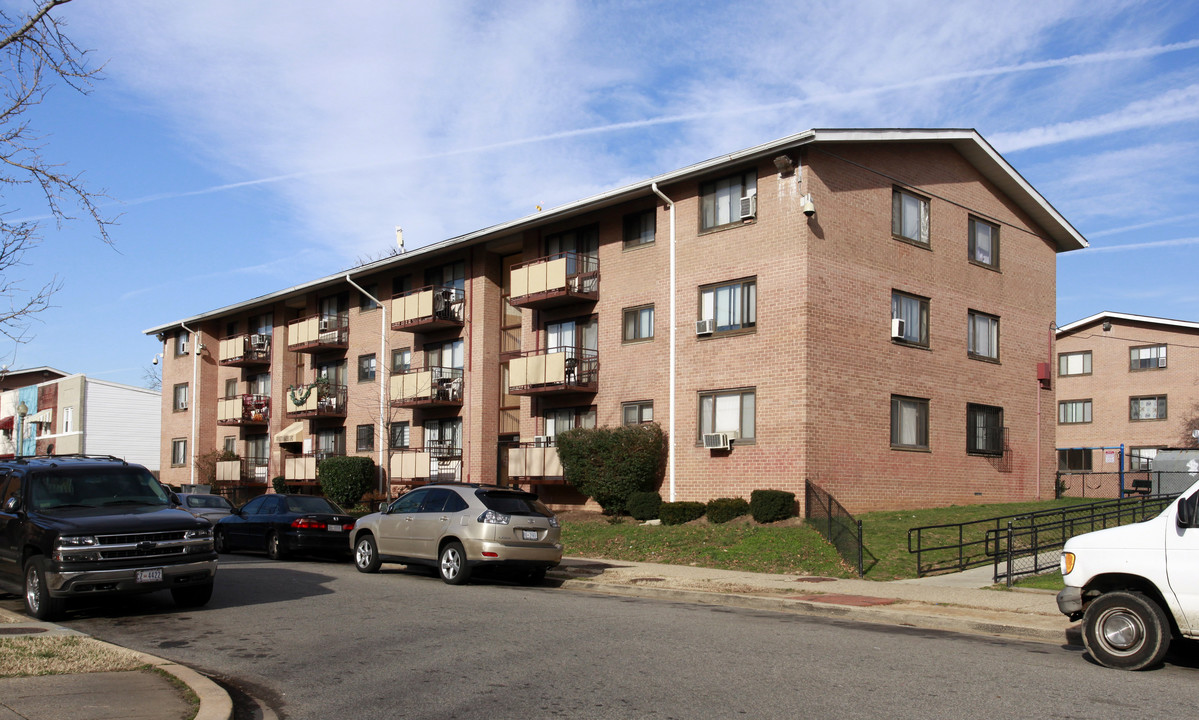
(1161, 361)
(898, 328)
(325, 323)
(258, 342)
(183, 348)
(705, 327)
(542, 441)
(183, 405)
(749, 207)
(716, 441)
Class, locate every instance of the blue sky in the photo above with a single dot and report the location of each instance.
(251, 146)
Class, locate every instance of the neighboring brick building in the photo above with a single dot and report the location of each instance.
(1123, 380)
(839, 297)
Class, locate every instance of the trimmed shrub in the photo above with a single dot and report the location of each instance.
(644, 505)
(721, 510)
(345, 479)
(677, 513)
(769, 506)
(609, 464)
(279, 483)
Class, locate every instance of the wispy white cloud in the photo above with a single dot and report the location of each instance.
(1134, 247)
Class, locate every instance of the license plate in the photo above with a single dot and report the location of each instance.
(528, 534)
(147, 576)
(334, 528)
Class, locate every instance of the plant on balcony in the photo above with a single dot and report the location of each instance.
(610, 464)
(299, 394)
(346, 478)
(206, 464)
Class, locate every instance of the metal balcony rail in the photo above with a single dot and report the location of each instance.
(430, 385)
(561, 275)
(432, 305)
(244, 410)
(318, 331)
(554, 369)
(246, 349)
(317, 399)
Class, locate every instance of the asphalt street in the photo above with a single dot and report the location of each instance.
(317, 639)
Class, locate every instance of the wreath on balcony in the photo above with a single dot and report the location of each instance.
(298, 399)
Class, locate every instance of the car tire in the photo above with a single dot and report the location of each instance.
(219, 543)
(1126, 630)
(533, 576)
(38, 601)
(451, 564)
(275, 549)
(192, 596)
(366, 555)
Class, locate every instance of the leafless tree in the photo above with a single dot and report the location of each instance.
(1190, 423)
(34, 54)
(152, 377)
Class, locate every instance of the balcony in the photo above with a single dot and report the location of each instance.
(318, 333)
(300, 471)
(430, 308)
(555, 280)
(554, 370)
(431, 387)
(436, 462)
(535, 464)
(319, 399)
(241, 471)
(246, 350)
(244, 410)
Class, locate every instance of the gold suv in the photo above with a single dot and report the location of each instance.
(458, 527)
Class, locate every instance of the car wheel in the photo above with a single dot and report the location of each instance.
(452, 564)
(366, 555)
(1126, 630)
(274, 547)
(193, 596)
(532, 576)
(38, 601)
(219, 543)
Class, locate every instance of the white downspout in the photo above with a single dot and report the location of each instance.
(670, 411)
(194, 400)
(379, 365)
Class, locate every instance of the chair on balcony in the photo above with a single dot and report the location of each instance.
(571, 364)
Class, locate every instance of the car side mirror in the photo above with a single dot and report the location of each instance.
(384, 507)
(1186, 515)
(175, 499)
(12, 504)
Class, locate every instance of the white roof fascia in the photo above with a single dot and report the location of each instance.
(1128, 317)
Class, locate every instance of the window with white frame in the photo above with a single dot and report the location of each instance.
(259, 384)
(909, 422)
(728, 411)
(560, 420)
(230, 444)
(230, 387)
(984, 243)
(732, 305)
(639, 324)
(181, 342)
(1070, 412)
(179, 402)
(720, 200)
(984, 430)
(912, 310)
(258, 450)
(1151, 407)
(635, 413)
(1150, 357)
(445, 359)
(178, 452)
(1141, 458)
(982, 336)
(1075, 363)
(909, 217)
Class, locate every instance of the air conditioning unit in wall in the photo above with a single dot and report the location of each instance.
(898, 328)
(749, 207)
(705, 327)
(1161, 361)
(716, 441)
(542, 441)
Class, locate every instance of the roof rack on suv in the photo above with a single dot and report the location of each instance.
(69, 456)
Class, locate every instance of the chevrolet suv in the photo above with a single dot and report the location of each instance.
(76, 526)
(458, 528)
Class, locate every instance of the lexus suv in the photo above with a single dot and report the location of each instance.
(76, 526)
(458, 528)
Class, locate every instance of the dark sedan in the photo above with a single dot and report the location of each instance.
(285, 524)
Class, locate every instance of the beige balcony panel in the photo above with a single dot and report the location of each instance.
(228, 470)
(535, 373)
(422, 384)
(289, 468)
(537, 278)
(409, 312)
(516, 462)
(555, 274)
(553, 465)
(520, 281)
(396, 386)
(309, 404)
(424, 303)
(555, 368)
(397, 309)
(518, 372)
(233, 348)
(535, 461)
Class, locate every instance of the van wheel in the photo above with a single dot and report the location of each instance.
(38, 601)
(452, 564)
(1126, 630)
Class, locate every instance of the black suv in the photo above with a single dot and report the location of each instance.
(74, 526)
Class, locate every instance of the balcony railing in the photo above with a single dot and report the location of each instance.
(436, 462)
(555, 280)
(554, 370)
(244, 410)
(318, 333)
(428, 308)
(246, 350)
(241, 471)
(318, 399)
(535, 463)
(299, 469)
(430, 387)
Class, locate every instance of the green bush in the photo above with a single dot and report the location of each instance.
(769, 506)
(721, 510)
(677, 513)
(644, 505)
(279, 483)
(609, 464)
(345, 479)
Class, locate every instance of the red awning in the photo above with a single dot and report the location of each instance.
(6, 423)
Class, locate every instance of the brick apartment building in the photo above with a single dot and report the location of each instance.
(866, 309)
(1123, 380)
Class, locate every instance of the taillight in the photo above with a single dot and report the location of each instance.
(348, 526)
(308, 524)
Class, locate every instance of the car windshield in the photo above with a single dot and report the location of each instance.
(312, 505)
(207, 501)
(513, 503)
(95, 487)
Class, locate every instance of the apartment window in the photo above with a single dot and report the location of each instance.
(733, 306)
(445, 355)
(444, 435)
(728, 411)
(635, 413)
(639, 228)
(230, 387)
(984, 243)
(1150, 357)
(913, 311)
(230, 444)
(178, 452)
(180, 397)
(366, 367)
(1152, 407)
(1075, 363)
(68, 420)
(1074, 460)
(364, 300)
(909, 422)
(639, 323)
(451, 275)
(909, 217)
(982, 336)
(398, 435)
(259, 384)
(1070, 412)
(984, 430)
(263, 324)
(401, 360)
(258, 452)
(720, 202)
(366, 438)
(181, 343)
(1141, 458)
(578, 338)
(560, 420)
